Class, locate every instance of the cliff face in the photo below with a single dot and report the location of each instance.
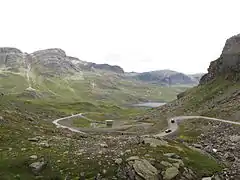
(8, 54)
(108, 67)
(49, 62)
(228, 64)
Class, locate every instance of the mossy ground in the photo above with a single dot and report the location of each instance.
(70, 154)
(108, 88)
(200, 163)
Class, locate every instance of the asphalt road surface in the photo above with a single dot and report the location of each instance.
(171, 126)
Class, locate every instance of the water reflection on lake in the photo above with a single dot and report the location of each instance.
(149, 104)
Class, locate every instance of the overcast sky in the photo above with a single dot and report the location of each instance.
(137, 35)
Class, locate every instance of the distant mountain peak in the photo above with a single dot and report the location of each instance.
(166, 77)
(53, 61)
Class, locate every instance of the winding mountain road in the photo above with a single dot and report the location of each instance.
(56, 122)
(172, 126)
(119, 129)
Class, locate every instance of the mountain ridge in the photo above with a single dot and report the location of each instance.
(52, 74)
(167, 77)
(50, 52)
(51, 70)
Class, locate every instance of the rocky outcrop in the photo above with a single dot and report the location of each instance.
(228, 64)
(10, 57)
(9, 50)
(49, 62)
(53, 62)
(144, 169)
(37, 166)
(105, 67)
(116, 69)
(54, 52)
(170, 173)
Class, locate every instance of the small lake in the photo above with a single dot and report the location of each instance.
(149, 104)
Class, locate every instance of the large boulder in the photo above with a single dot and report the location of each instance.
(170, 173)
(144, 169)
(37, 166)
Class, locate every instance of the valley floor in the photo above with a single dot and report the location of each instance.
(39, 150)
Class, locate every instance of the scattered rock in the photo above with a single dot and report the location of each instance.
(128, 151)
(207, 178)
(144, 169)
(216, 177)
(137, 140)
(133, 158)
(172, 155)
(177, 165)
(104, 145)
(44, 144)
(65, 152)
(229, 156)
(34, 157)
(166, 164)
(214, 150)
(37, 166)
(118, 161)
(179, 161)
(104, 171)
(155, 142)
(17, 176)
(170, 173)
(188, 174)
(235, 138)
(199, 146)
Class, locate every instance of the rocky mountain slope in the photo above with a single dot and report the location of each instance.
(50, 61)
(218, 92)
(33, 148)
(51, 74)
(167, 77)
(217, 95)
(227, 65)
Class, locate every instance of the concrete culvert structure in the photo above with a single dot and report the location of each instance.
(109, 123)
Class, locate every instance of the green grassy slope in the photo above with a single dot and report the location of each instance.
(71, 155)
(88, 86)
